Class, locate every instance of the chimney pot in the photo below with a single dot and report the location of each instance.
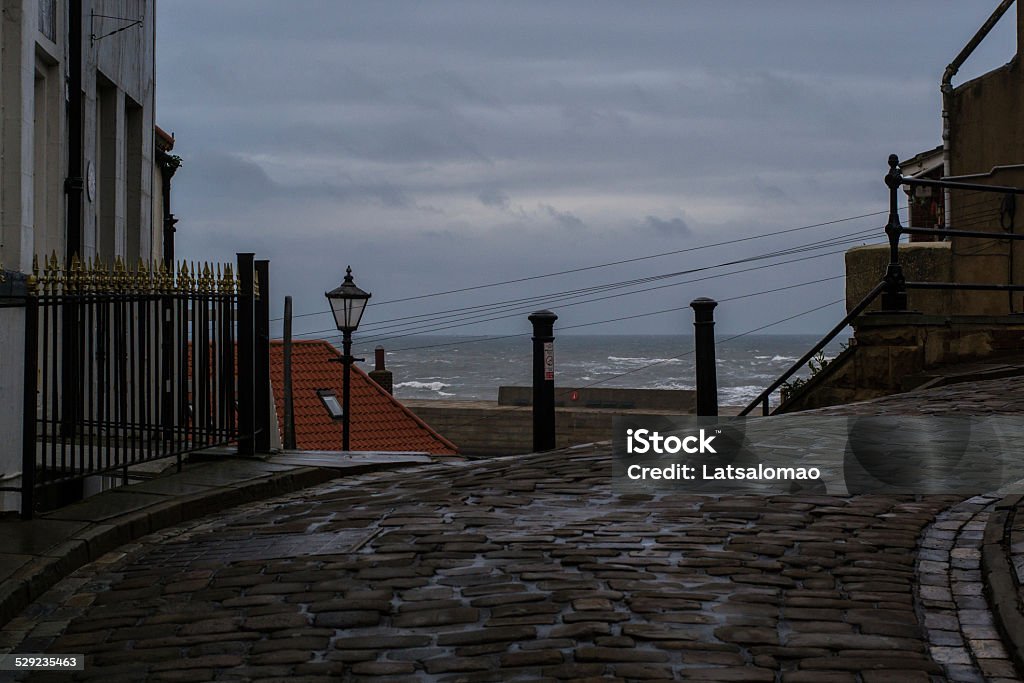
(380, 374)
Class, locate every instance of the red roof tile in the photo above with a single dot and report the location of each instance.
(379, 422)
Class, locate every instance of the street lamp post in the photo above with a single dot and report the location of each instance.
(347, 304)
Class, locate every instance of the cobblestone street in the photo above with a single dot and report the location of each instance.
(527, 568)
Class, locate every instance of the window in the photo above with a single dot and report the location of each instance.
(106, 170)
(48, 19)
(133, 151)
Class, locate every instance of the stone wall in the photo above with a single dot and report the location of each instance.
(921, 261)
(894, 352)
(986, 130)
(680, 400)
(485, 428)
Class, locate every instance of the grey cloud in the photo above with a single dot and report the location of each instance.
(329, 117)
(494, 198)
(673, 227)
(566, 219)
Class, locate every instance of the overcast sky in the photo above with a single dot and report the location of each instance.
(441, 145)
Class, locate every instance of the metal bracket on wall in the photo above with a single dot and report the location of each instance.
(93, 38)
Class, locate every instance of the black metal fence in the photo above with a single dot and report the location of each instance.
(130, 365)
(894, 285)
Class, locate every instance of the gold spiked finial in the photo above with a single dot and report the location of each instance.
(120, 275)
(229, 279)
(145, 279)
(50, 273)
(207, 277)
(75, 277)
(32, 281)
(35, 271)
(86, 284)
(160, 278)
(184, 283)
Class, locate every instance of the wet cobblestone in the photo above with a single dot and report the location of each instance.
(529, 568)
(445, 578)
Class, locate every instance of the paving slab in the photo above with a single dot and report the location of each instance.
(37, 536)
(170, 486)
(340, 460)
(101, 508)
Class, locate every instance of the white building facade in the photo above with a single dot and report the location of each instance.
(67, 66)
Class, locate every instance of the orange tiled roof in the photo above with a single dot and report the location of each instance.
(379, 422)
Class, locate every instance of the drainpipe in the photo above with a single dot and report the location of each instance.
(947, 96)
(74, 184)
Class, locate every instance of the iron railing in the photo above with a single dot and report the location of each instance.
(125, 366)
(894, 286)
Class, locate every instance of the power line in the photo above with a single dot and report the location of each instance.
(439, 328)
(610, 320)
(611, 263)
(433, 316)
(662, 361)
(480, 312)
(601, 322)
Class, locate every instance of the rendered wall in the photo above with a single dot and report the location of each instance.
(987, 130)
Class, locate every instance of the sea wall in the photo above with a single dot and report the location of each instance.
(487, 428)
(679, 400)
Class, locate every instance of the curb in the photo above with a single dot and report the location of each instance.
(40, 574)
(1000, 579)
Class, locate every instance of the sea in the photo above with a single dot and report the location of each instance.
(472, 368)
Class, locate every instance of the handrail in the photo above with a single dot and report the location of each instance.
(894, 286)
(968, 286)
(957, 185)
(854, 312)
(964, 233)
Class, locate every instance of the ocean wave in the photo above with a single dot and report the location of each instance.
(627, 359)
(433, 386)
(779, 359)
(732, 396)
(672, 385)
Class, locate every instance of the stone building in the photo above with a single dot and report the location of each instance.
(79, 173)
(983, 143)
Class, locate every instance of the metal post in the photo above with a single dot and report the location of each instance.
(289, 407)
(894, 298)
(246, 356)
(346, 361)
(704, 353)
(28, 444)
(543, 380)
(261, 370)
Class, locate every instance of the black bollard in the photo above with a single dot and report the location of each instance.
(704, 352)
(543, 380)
